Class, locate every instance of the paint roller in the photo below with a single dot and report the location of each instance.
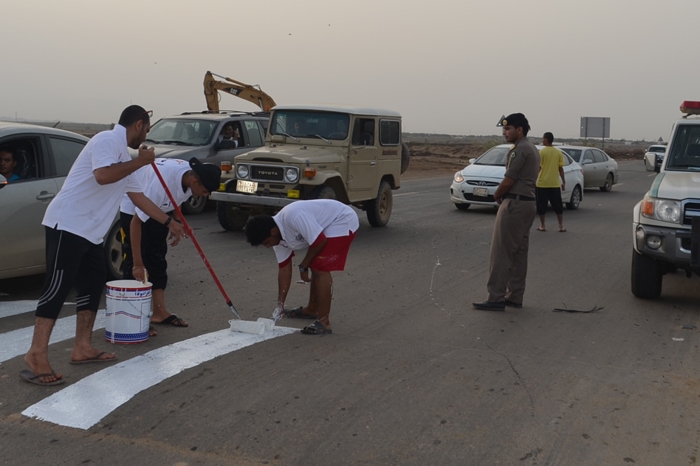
(237, 325)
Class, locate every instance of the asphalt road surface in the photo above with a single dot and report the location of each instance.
(411, 375)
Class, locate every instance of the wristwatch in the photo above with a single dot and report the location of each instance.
(303, 269)
(167, 222)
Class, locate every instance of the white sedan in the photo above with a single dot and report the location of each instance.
(477, 182)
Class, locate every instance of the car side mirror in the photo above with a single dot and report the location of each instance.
(472, 160)
(657, 167)
(3, 181)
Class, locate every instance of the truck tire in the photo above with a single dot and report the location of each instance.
(379, 209)
(231, 218)
(322, 192)
(646, 276)
(113, 252)
(194, 205)
(405, 157)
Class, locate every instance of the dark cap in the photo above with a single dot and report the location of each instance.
(208, 173)
(517, 120)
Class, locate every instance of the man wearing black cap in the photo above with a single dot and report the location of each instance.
(511, 233)
(141, 233)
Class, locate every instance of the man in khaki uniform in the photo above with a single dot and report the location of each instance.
(511, 233)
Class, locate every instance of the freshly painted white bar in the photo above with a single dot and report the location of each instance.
(84, 403)
(18, 341)
(12, 308)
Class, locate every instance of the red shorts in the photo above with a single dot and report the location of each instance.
(334, 254)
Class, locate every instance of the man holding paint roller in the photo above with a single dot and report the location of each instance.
(76, 222)
(325, 228)
(145, 234)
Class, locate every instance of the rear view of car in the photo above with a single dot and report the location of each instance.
(654, 157)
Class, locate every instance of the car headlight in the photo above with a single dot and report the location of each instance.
(458, 177)
(291, 174)
(242, 171)
(662, 209)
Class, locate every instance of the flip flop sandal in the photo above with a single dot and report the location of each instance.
(317, 328)
(29, 376)
(97, 358)
(173, 321)
(296, 314)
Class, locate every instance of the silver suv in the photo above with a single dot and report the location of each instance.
(197, 134)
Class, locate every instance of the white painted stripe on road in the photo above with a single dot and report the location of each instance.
(18, 341)
(12, 308)
(86, 402)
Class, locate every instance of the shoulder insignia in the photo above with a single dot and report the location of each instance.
(512, 147)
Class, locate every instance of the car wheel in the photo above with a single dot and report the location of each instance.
(379, 209)
(194, 205)
(575, 199)
(607, 187)
(405, 157)
(113, 252)
(322, 192)
(231, 218)
(462, 206)
(646, 276)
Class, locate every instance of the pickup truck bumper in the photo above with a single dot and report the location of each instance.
(680, 247)
(251, 199)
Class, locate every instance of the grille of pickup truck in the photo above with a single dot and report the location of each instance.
(690, 209)
(264, 173)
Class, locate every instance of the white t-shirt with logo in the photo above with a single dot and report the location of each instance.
(83, 206)
(301, 223)
(172, 171)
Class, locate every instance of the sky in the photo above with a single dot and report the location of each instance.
(447, 66)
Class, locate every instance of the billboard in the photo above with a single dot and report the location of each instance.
(595, 127)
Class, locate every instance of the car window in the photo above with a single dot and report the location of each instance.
(685, 152)
(493, 156)
(574, 153)
(183, 132)
(599, 156)
(255, 138)
(389, 132)
(587, 156)
(310, 123)
(657, 149)
(363, 132)
(64, 153)
(567, 159)
(28, 154)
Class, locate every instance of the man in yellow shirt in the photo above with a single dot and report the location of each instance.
(547, 188)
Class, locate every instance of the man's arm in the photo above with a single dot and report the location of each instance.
(284, 281)
(149, 208)
(118, 171)
(503, 189)
(563, 180)
(311, 253)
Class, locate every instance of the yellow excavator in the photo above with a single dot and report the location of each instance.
(251, 93)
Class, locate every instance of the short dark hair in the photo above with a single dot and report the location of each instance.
(258, 229)
(517, 120)
(132, 114)
(548, 136)
(9, 151)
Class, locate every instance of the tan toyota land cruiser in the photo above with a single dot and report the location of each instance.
(351, 154)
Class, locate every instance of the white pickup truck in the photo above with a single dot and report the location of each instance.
(666, 226)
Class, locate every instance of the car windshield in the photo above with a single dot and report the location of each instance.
(494, 156)
(574, 153)
(658, 149)
(684, 154)
(311, 124)
(182, 132)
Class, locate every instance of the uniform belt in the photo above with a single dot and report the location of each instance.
(518, 197)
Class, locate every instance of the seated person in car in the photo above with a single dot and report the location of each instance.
(8, 163)
(228, 139)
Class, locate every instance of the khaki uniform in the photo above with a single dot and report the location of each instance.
(511, 233)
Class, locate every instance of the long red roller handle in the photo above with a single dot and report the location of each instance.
(194, 240)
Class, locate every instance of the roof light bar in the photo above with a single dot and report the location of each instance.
(690, 107)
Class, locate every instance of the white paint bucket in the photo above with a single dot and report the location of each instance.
(128, 311)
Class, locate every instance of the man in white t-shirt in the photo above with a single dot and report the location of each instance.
(325, 228)
(76, 222)
(142, 233)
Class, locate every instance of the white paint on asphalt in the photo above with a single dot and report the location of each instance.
(86, 402)
(18, 341)
(405, 194)
(12, 308)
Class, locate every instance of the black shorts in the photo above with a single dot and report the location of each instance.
(154, 247)
(71, 260)
(549, 195)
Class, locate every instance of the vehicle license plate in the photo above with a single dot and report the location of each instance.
(481, 192)
(243, 186)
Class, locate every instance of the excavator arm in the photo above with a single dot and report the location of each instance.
(253, 94)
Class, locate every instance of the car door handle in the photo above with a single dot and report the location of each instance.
(45, 195)
(372, 163)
